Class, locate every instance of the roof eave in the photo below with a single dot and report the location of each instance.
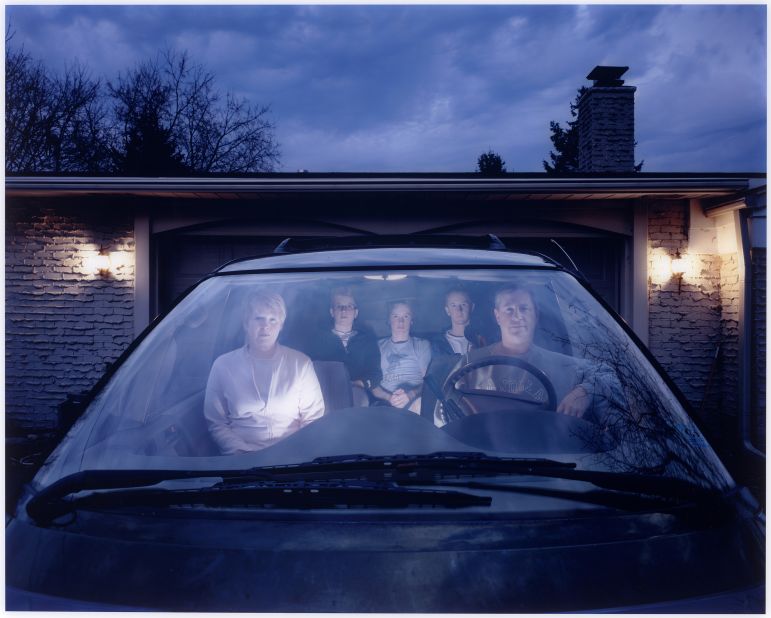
(719, 184)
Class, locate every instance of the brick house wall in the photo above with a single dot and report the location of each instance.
(63, 323)
(685, 316)
(694, 323)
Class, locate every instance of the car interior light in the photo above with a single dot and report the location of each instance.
(392, 277)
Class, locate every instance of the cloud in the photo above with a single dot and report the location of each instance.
(430, 87)
(708, 85)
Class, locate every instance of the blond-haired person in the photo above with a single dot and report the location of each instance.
(263, 391)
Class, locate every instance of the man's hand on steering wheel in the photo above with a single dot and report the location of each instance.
(462, 397)
(575, 403)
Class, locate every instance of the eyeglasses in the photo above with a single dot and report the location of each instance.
(342, 307)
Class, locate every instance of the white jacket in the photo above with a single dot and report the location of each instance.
(237, 416)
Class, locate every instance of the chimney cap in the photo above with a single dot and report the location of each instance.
(607, 76)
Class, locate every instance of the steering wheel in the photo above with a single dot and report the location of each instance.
(462, 398)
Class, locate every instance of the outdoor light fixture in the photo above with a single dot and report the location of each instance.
(680, 265)
(103, 263)
(119, 259)
(664, 267)
(661, 268)
(97, 263)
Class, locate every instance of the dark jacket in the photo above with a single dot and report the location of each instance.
(441, 347)
(361, 358)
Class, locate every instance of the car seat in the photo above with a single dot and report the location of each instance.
(335, 385)
(437, 373)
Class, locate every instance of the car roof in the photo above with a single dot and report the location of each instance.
(389, 257)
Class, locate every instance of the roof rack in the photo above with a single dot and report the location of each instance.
(325, 243)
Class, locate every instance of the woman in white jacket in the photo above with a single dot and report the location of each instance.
(262, 392)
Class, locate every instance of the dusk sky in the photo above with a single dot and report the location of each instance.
(428, 88)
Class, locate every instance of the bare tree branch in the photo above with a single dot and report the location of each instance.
(165, 115)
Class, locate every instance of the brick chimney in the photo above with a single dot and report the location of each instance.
(606, 123)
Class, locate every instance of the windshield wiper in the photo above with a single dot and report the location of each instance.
(262, 494)
(404, 468)
(625, 500)
(625, 490)
(424, 469)
(399, 470)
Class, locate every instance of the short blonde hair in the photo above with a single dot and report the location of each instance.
(341, 291)
(457, 290)
(263, 298)
(390, 306)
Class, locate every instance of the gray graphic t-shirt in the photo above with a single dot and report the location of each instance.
(403, 363)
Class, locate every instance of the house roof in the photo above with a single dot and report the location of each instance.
(511, 186)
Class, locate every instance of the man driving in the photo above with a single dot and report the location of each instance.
(581, 387)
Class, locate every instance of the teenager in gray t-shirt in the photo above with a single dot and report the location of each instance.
(404, 360)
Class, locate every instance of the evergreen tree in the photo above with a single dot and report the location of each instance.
(150, 149)
(565, 159)
(491, 164)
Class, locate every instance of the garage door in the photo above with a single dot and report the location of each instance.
(183, 260)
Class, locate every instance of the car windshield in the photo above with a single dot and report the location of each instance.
(256, 369)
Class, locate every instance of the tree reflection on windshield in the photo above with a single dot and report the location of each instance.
(651, 436)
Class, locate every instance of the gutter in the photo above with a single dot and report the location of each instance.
(755, 455)
(660, 184)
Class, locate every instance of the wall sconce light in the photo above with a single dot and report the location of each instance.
(119, 259)
(98, 264)
(103, 263)
(680, 265)
(685, 266)
(661, 268)
(664, 267)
